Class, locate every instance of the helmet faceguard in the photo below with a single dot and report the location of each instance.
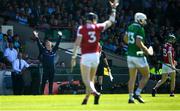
(171, 38)
(140, 18)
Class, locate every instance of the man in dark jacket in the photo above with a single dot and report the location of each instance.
(48, 53)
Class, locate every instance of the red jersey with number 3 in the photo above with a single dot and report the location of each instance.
(90, 34)
(168, 49)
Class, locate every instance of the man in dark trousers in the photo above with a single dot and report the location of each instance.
(103, 63)
(48, 53)
(19, 65)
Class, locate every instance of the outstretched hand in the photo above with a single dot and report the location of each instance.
(60, 33)
(150, 51)
(114, 4)
(110, 75)
(73, 63)
(36, 34)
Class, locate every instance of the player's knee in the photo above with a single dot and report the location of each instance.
(164, 80)
(132, 80)
(146, 76)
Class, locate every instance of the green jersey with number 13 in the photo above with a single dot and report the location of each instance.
(134, 31)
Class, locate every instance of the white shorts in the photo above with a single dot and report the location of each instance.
(137, 62)
(166, 69)
(90, 60)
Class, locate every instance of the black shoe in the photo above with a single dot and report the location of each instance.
(172, 94)
(84, 102)
(131, 101)
(139, 98)
(96, 98)
(153, 92)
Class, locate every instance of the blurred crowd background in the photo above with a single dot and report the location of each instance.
(163, 18)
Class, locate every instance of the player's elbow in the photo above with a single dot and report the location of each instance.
(125, 39)
(139, 44)
(108, 24)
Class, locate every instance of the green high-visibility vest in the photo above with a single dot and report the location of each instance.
(153, 71)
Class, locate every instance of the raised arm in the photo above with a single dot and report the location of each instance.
(36, 34)
(112, 17)
(55, 48)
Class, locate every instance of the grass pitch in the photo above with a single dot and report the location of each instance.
(113, 102)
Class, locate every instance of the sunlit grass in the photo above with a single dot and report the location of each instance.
(73, 103)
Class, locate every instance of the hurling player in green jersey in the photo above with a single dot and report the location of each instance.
(135, 37)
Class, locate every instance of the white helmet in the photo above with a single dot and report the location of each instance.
(140, 18)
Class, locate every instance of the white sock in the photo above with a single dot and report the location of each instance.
(131, 96)
(138, 91)
(92, 87)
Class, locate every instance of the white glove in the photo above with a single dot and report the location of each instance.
(35, 33)
(150, 50)
(111, 77)
(114, 4)
(59, 33)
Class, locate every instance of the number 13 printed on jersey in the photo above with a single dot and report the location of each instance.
(131, 39)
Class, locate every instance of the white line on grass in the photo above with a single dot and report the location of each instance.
(88, 110)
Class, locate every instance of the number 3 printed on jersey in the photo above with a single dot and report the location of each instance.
(92, 36)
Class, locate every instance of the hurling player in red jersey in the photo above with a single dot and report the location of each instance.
(168, 59)
(88, 36)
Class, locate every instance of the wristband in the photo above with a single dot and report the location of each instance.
(113, 10)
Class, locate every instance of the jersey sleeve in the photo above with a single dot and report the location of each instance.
(140, 33)
(25, 64)
(169, 49)
(101, 26)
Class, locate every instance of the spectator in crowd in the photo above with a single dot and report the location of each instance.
(160, 13)
(48, 53)
(19, 65)
(22, 18)
(10, 54)
(16, 42)
(9, 35)
(63, 67)
(2, 65)
(1, 41)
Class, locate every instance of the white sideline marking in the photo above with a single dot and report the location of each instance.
(87, 110)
